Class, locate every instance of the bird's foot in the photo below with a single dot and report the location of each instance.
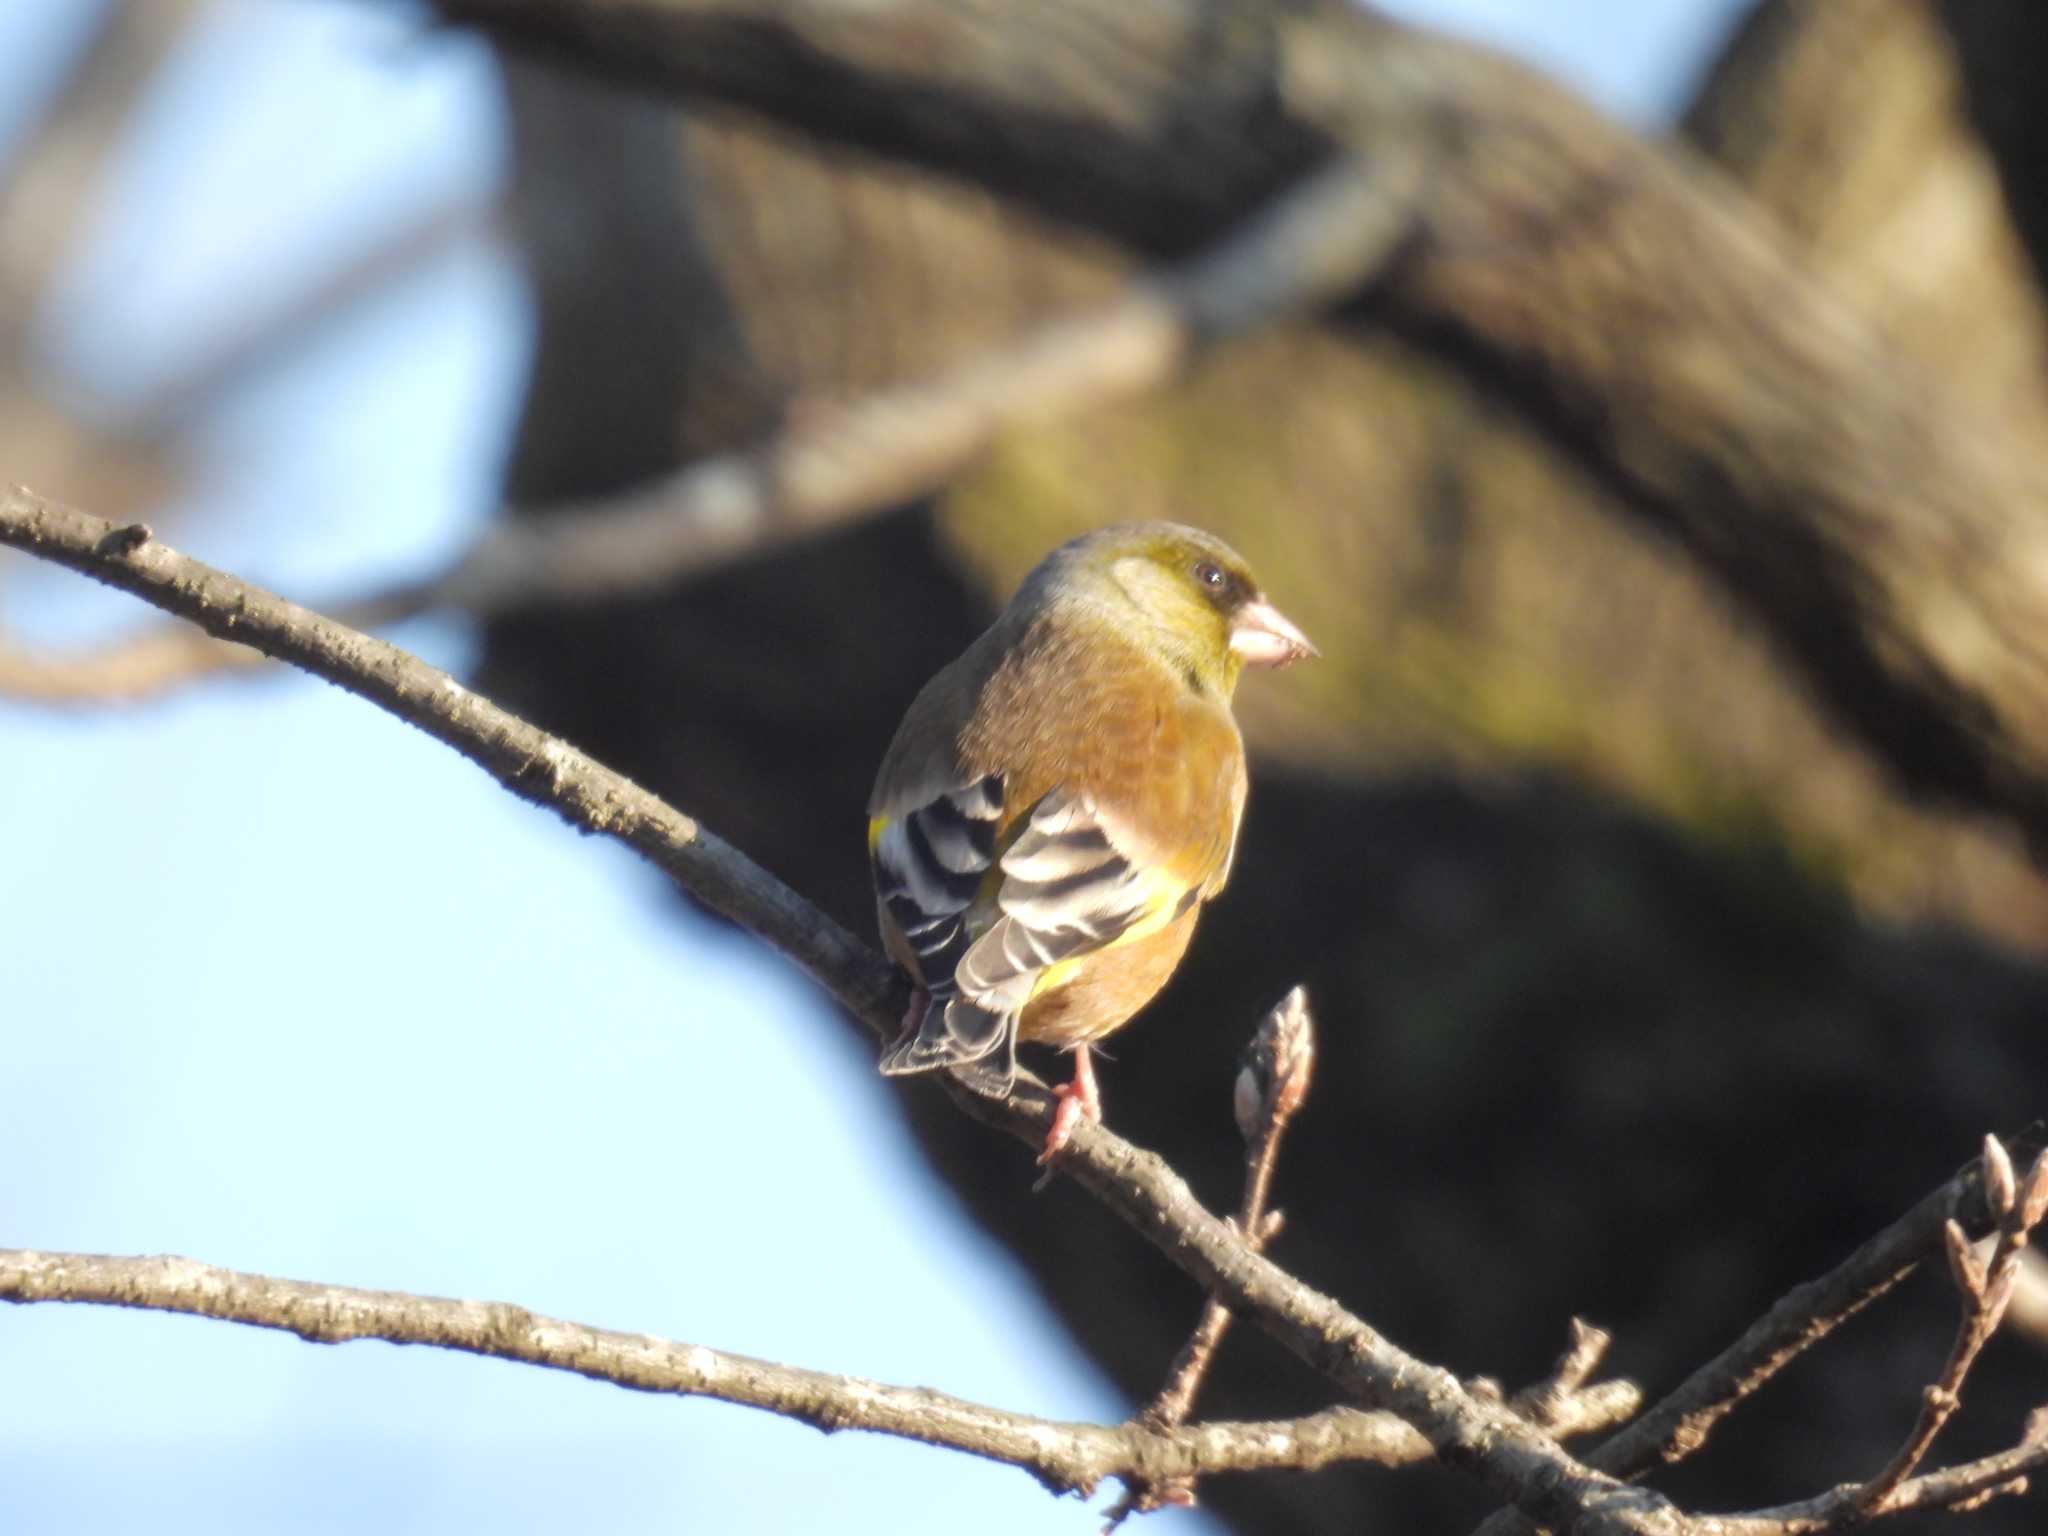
(1075, 1101)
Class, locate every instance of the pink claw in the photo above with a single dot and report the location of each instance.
(1078, 1100)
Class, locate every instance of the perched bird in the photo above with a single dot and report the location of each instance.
(1061, 799)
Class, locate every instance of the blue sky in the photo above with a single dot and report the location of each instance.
(291, 988)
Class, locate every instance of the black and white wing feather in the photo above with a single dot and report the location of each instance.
(930, 864)
(1066, 888)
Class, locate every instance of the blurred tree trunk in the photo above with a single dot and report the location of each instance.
(1603, 919)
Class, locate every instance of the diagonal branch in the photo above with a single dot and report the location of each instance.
(1323, 242)
(526, 760)
(1680, 1423)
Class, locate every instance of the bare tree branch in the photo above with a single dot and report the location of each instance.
(1067, 1458)
(1986, 1287)
(1957, 1488)
(1271, 1087)
(529, 762)
(1568, 1378)
(1680, 1423)
(1627, 301)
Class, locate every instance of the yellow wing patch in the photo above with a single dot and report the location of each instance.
(1164, 901)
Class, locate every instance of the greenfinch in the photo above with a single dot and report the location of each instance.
(1060, 800)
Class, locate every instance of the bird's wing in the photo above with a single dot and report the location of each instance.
(930, 863)
(1071, 884)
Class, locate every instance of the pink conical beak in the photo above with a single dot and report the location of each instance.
(1266, 637)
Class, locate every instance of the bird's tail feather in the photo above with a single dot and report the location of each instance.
(958, 1034)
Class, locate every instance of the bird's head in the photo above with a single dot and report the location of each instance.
(1181, 591)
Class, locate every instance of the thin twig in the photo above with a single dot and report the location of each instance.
(1321, 243)
(1680, 1423)
(1547, 1402)
(1986, 1288)
(1271, 1086)
(1563, 1405)
(1956, 1488)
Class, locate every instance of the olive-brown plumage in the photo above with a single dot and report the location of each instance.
(1060, 800)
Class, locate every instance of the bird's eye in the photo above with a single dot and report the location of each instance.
(1210, 576)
